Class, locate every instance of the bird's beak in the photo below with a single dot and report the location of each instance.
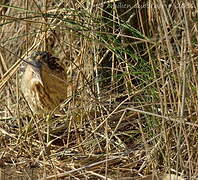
(36, 76)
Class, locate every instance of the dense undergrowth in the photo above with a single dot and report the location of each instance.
(134, 110)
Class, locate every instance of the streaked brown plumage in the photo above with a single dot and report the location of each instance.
(44, 82)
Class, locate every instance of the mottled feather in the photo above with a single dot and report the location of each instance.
(44, 82)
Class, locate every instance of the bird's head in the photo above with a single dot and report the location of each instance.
(37, 62)
(41, 62)
(41, 58)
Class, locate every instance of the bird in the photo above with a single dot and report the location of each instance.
(44, 82)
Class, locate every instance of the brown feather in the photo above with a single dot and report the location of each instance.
(44, 82)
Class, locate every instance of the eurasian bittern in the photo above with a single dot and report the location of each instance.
(44, 82)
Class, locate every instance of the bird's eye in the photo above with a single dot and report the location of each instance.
(39, 53)
(44, 54)
(33, 55)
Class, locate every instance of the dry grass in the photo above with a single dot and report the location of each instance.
(134, 111)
